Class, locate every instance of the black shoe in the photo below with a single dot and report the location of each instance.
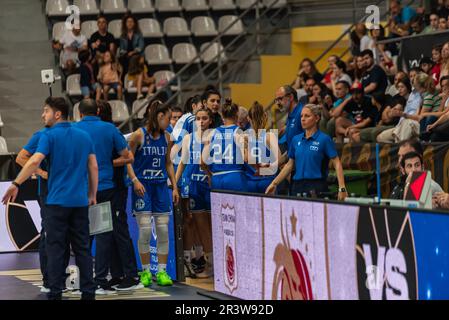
(104, 290)
(129, 284)
(114, 282)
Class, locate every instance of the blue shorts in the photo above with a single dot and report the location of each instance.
(199, 197)
(113, 85)
(155, 201)
(85, 91)
(259, 185)
(235, 181)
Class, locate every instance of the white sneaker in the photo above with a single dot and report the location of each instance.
(103, 292)
(45, 290)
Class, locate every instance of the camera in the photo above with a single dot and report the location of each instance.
(48, 76)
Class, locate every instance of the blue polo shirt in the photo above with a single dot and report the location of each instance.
(67, 150)
(31, 147)
(293, 125)
(312, 155)
(107, 141)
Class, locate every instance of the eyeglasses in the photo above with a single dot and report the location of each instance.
(279, 99)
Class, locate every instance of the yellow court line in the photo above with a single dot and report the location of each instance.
(30, 278)
(20, 272)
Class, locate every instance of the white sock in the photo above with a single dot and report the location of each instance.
(161, 267)
(146, 267)
(199, 251)
(188, 255)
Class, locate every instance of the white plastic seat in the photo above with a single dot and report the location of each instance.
(113, 6)
(58, 31)
(76, 112)
(120, 111)
(130, 86)
(163, 77)
(211, 54)
(203, 27)
(168, 6)
(245, 4)
(280, 3)
(3, 146)
(225, 21)
(195, 5)
(88, 28)
(136, 106)
(87, 7)
(56, 8)
(184, 53)
(150, 28)
(115, 27)
(140, 6)
(157, 54)
(220, 5)
(73, 85)
(176, 27)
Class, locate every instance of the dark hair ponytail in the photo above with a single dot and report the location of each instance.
(155, 109)
(230, 110)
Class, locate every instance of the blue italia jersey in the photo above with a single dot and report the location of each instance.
(149, 160)
(196, 174)
(224, 152)
(260, 153)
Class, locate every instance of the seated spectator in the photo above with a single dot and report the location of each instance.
(412, 162)
(138, 76)
(413, 73)
(358, 70)
(339, 74)
(377, 34)
(433, 26)
(417, 25)
(443, 9)
(430, 110)
(322, 97)
(342, 99)
(87, 79)
(386, 61)
(436, 70)
(393, 89)
(439, 130)
(109, 76)
(400, 19)
(307, 69)
(71, 43)
(357, 114)
(426, 65)
(243, 120)
(131, 41)
(306, 92)
(374, 78)
(356, 36)
(445, 60)
(102, 40)
(442, 24)
(408, 126)
(331, 61)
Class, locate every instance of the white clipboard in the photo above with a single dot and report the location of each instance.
(100, 218)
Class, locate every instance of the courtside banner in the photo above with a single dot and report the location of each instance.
(283, 249)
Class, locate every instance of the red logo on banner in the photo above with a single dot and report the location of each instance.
(230, 264)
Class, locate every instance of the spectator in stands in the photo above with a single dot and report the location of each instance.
(436, 70)
(408, 126)
(109, 76)
(343, 98)
(400, 19)
(430, 109)
(131, 41)
(413, 73)
(393, 89)
(331, 61)
(385, 59)
(445, 60)
(377, 34)
(356, 36)
(243, 120)
(138, 76)
(307, 69)
(426, 65)
(322, 97)
(71, 43)
(433, 26)
(357, 114)
(308, 91)
(339, 74)
(417, 24)
(359, 69)
(442, 24)
(439, 130)
(374, 78)
(87, 79)
(102, 40)
(443, 9)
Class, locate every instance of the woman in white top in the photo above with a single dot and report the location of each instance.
(339, 74)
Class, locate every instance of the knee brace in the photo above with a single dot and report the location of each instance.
(162, 234)
(144, 222)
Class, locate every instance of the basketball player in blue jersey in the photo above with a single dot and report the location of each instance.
(152, 166)
(224, 153)
(199, 190)
(263, 151)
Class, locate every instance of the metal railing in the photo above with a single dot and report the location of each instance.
(217, 59)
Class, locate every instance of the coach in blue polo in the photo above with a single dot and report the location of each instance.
(108, 141)
(72, 187)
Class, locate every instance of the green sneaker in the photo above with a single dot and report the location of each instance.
(163, 279)
(146, 278)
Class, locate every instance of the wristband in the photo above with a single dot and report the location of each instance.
(15, 184)
(134, 180)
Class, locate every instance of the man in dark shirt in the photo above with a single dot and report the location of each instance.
(102, 40)
(374, 79)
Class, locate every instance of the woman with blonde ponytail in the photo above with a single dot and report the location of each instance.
(431, 109)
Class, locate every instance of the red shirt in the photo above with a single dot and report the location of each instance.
(436, 71)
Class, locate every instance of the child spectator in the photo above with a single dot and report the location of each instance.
(109, 76)
(138, 76)
(87, 80)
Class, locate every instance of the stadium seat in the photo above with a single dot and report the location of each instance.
(87, 7)
(58, 31)
(236, 29)
(195, 5)
(211, 54)
(140, 6)
(168, 6)
(73, 85)
(76, 112)
(115, 27)
(113, 6)
(56, 8)
(130, 86)
(157, 54)
(184, 53)
(245, 4)
(278, 4)
(176, 27)
(120, 111)
(88, 28)
(150, 28)
(220, 5)
(136, 105)
(1, 124)
(3, 146)
(163, 77)
(203, 27)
